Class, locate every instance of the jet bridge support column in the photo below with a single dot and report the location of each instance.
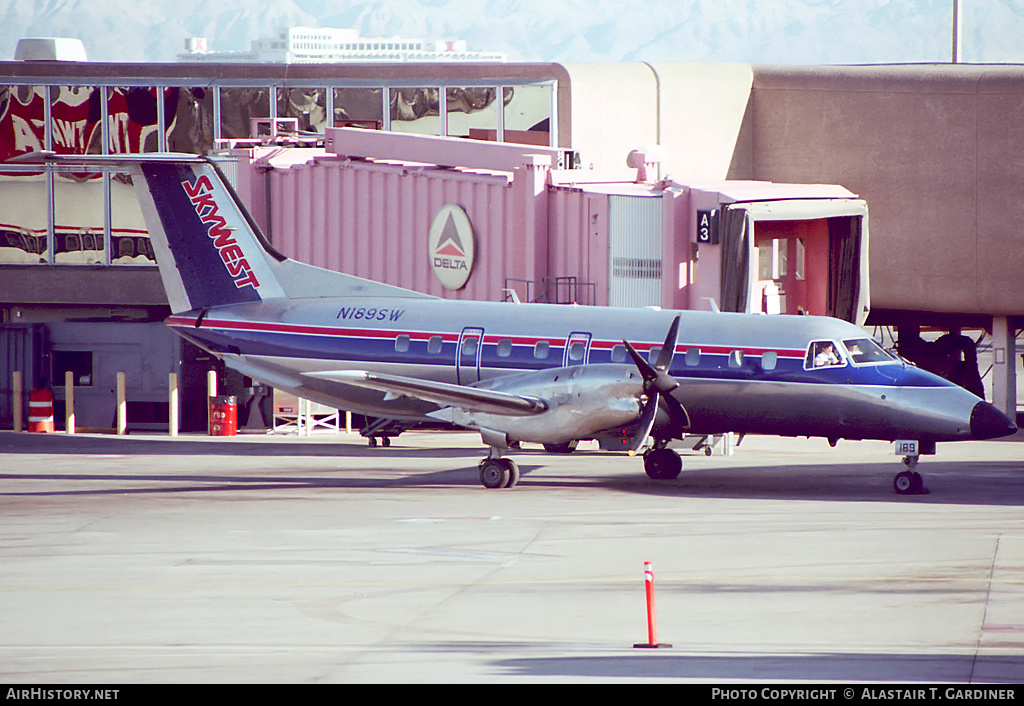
(1004, 368)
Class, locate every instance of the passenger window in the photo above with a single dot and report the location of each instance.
(469, 346)
(541, 349)
(577, 349)
(434, 344)
(693, 357)
(652, 356)
(618, 353)
(736, 359)
(402, 343)
(504, 348)
(769, 359)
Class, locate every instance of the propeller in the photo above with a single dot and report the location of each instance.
(658, 385)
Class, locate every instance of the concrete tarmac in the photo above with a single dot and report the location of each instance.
(146, 559)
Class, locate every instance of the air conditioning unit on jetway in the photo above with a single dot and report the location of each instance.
(568, 159)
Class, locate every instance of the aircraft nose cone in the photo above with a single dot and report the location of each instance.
(987, 422)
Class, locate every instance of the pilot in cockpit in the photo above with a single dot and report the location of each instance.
(826, 355)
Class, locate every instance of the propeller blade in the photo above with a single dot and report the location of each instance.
(668, 350)
(658, 385)
(676, 411)
(646, 371)
(647, 415)
(653, 379)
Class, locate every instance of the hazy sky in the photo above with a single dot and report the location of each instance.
(756, 31)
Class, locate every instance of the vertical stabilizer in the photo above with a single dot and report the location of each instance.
(207, 249)
(211, 253)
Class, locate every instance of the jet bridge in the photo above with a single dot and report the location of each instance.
(781, 248)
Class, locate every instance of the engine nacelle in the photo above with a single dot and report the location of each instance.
(581, 401)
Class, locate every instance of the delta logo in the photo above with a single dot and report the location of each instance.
(451, 247)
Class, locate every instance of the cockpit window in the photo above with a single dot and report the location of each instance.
(823, 354)
(866, 350)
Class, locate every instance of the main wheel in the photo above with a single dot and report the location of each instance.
(662, 464)
(513, 472)
(495, 473)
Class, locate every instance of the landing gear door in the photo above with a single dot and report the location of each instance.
(467, 357)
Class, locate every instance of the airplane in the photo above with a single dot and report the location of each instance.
(526, 372)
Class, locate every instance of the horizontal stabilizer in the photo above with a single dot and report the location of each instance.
(471, 399)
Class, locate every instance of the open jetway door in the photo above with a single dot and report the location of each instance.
(796, 256)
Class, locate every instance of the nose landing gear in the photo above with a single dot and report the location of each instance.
(909, 482)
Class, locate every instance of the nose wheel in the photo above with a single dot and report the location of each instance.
(909, 482)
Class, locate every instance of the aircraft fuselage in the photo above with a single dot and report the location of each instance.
(739, 373)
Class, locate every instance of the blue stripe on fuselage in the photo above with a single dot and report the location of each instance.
(379, 347)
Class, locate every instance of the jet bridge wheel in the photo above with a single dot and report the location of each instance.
(499, 473)
(662, 464)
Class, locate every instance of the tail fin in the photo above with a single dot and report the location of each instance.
(200, 238)
(211, 253)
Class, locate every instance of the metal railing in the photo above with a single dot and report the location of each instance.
(552, 290)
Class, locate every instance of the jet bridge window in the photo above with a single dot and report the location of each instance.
(823, 354)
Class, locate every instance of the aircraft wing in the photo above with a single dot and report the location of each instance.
(472, 399)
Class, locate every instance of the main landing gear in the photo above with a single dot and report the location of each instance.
(380, 430)
(661, 463)
(498, 472)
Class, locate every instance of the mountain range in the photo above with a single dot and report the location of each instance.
(750, 31)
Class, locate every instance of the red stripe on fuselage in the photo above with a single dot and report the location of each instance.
(302, 329)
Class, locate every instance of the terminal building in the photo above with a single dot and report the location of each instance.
(883, 195)
(296, 45)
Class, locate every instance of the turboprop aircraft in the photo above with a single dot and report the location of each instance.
(526, 372)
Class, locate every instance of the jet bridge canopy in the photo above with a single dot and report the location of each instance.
(784, 248)
(834, 255)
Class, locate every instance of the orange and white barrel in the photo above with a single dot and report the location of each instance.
(40, 411)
